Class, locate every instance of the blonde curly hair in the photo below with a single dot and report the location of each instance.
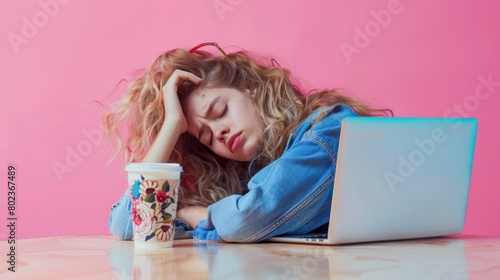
(208, 177)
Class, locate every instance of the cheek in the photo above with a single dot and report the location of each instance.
(255, 122)
(252, 116)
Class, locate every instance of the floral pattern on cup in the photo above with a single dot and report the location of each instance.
(142, 217)
(150, 204)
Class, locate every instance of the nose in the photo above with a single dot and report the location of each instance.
(221, 132)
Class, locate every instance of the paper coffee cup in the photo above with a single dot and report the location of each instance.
(153, 189)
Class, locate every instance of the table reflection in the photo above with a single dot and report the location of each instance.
(413, 259)
(102, 257)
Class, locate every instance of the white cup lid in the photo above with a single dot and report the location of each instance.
(153, 167)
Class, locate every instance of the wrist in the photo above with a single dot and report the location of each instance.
(176, 126)
(164, 143)
(172, 128)
(192, 215)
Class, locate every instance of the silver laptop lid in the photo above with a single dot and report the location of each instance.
(401, 178)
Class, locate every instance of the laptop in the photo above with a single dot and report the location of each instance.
(398, 178)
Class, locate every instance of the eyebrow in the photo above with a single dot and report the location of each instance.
(206, 113)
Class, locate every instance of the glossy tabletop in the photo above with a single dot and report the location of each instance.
(102, 257)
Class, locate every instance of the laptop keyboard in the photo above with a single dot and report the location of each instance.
(319, 236)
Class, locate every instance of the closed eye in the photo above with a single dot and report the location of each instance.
(223, 111)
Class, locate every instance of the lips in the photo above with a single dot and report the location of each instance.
(234, 141)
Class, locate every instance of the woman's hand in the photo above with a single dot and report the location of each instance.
(175, 122)
(174, 116)
(192, 215)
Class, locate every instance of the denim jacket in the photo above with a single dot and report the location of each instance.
(292, 195)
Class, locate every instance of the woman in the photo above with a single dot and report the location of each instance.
(258, 155)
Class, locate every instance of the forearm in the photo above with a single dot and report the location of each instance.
(175, 122)
(164, 144)
(282, 198)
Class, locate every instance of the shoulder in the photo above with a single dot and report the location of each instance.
(322, 126)
(325, 118)
(334, 113)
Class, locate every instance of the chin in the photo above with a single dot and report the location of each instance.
(246, 157)
(255, 153)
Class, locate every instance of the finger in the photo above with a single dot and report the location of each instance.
(180, 76)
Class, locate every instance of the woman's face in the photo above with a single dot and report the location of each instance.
(224, 120)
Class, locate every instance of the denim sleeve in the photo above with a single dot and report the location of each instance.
(120, 220)
(282, 198)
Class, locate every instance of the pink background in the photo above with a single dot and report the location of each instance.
(56, 57)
